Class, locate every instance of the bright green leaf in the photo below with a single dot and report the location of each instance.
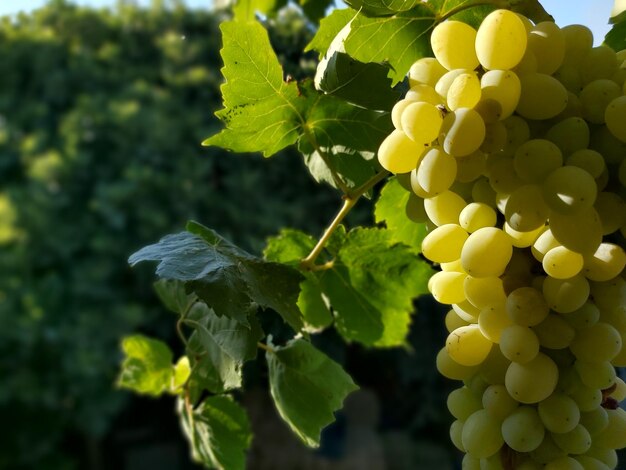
(307, 388)
(314, 305)
(218, 431)
(390, 209)
(227, 278)
(182, 371)
(329, 28)
(382, 7)
(147, 367)
(289, 246)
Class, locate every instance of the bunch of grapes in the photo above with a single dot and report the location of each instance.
(512, 141)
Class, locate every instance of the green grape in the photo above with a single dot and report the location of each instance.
(477, 215)
(600, 62)
(445, 82)
(614, 435)
(522, 239)
(576, 441)
(569, 190)
(544, 243)
(477, 384)
(501, 40)
(533, 381)
(467, 345)
(535, 159)
(620, 390)
(612, 211)
(542, 96)
(596, 96)
(398, 153)
(464, 92)
(597, 343)
(462, 132)
(444, 244)
(454, 321)
(483, 292)
(517, 131)
(554, 332)
(497, 401)
(495, 137)
(493, 462)
(481, 435)
(547, 42)
(574, 108)
(503, 87)
(436, 171)
(589, 463)
(595, 420)
(559, 413)
(519, 344)
(566, 295)
(547, 451)
(598, 375)
(606, 456)
(456, 430)
(396, 112)
(523, 430)
(609, 295)
(584, 316)
(421, 122)
(622, 173)
(470, 463)
(502, 176)
(447, 287)
(444, 208)
(614, 117)
(425, 93)
(567, 230)
(526, 306)
(452, 43)
(462, 402)
(414, 209)
(451, 369)
(589, 160)
(426, 71)
(486, 252)
(569, 76)
(569, 135)
(578, 43)
(528, 64)
(525, 209)
(611, 148)
(471, 167)
(562, 263)
(493, 369)
(564, 463)
(483, 192)
(467, 311)
(489, 109)
(492, 321)
(586, 398)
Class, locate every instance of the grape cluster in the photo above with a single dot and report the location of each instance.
(512, 141)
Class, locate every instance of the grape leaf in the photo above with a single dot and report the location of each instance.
(218, 431)
(314, 305)
(315, 9)
(382, 7)
(289, 246)
(226, 277)
(264, 113)
(246, 9)
(618, 13)
(307, 388)
(328, 30)
(147, 367)
(616, 37)
(173, 295)
(390, 209)
(226, 343)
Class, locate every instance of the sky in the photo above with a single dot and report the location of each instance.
(593, 13)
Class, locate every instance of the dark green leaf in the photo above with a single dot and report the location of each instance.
(390, 209)
(315, 9)
(314, 305)
(329, 28)
(618, 13)
(174, 296)
(307, 388)
(147, 367)
(218, 432)
(227, 278)
(616, 37)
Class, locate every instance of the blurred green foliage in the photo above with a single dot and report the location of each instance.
(101, 116)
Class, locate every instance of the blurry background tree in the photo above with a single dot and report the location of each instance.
(101, 116)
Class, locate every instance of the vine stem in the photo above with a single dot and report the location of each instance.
(349, 201)
(265, 347)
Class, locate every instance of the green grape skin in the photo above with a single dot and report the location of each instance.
(462, 132)
(559, 413)
(566, 229)
(607, 456)
(609, 295)
(452, 43)
(447, 287)
(585, 316)
(466, 311)
(493, 369)
(523, 430)
(600, 62)
(425, 93)
(564, 463)
(483, 192)
(533, 381)
(464, 92)
(495, 137)
(606, 263)
(467, 345)
(398, 153)
(503, 87)
(597, 343)
(614, 117)
(421, 122)
(554, 332)
(596, 96)
(525, 209)
(426, 71)
(547, 451)
(477, 215)
(454, 321)
(497, 401)
(613, 436)
(542, 96)
(612, 211)
(456, 430)
(444, 244)
(566, 295)
(522, 239)
(576, 441)
(544, 243)
(578, 43)
(586, 398)
(444, 208)
(562, 263)
(569, 190)
(486, 252)
(492, 321)
(569, 135)
(501, 40)
(596, 375)
(452, 370)
(590, 463)
(462, 402)
(526, 306)
(470, 463)
(519, 344)
(547, 42)
(436, 171)
(595, 420)
(471, 167)
(502, 176)
(481, 435)
(535, 159)
(569, 76)
(484, 292)
(589, 160)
